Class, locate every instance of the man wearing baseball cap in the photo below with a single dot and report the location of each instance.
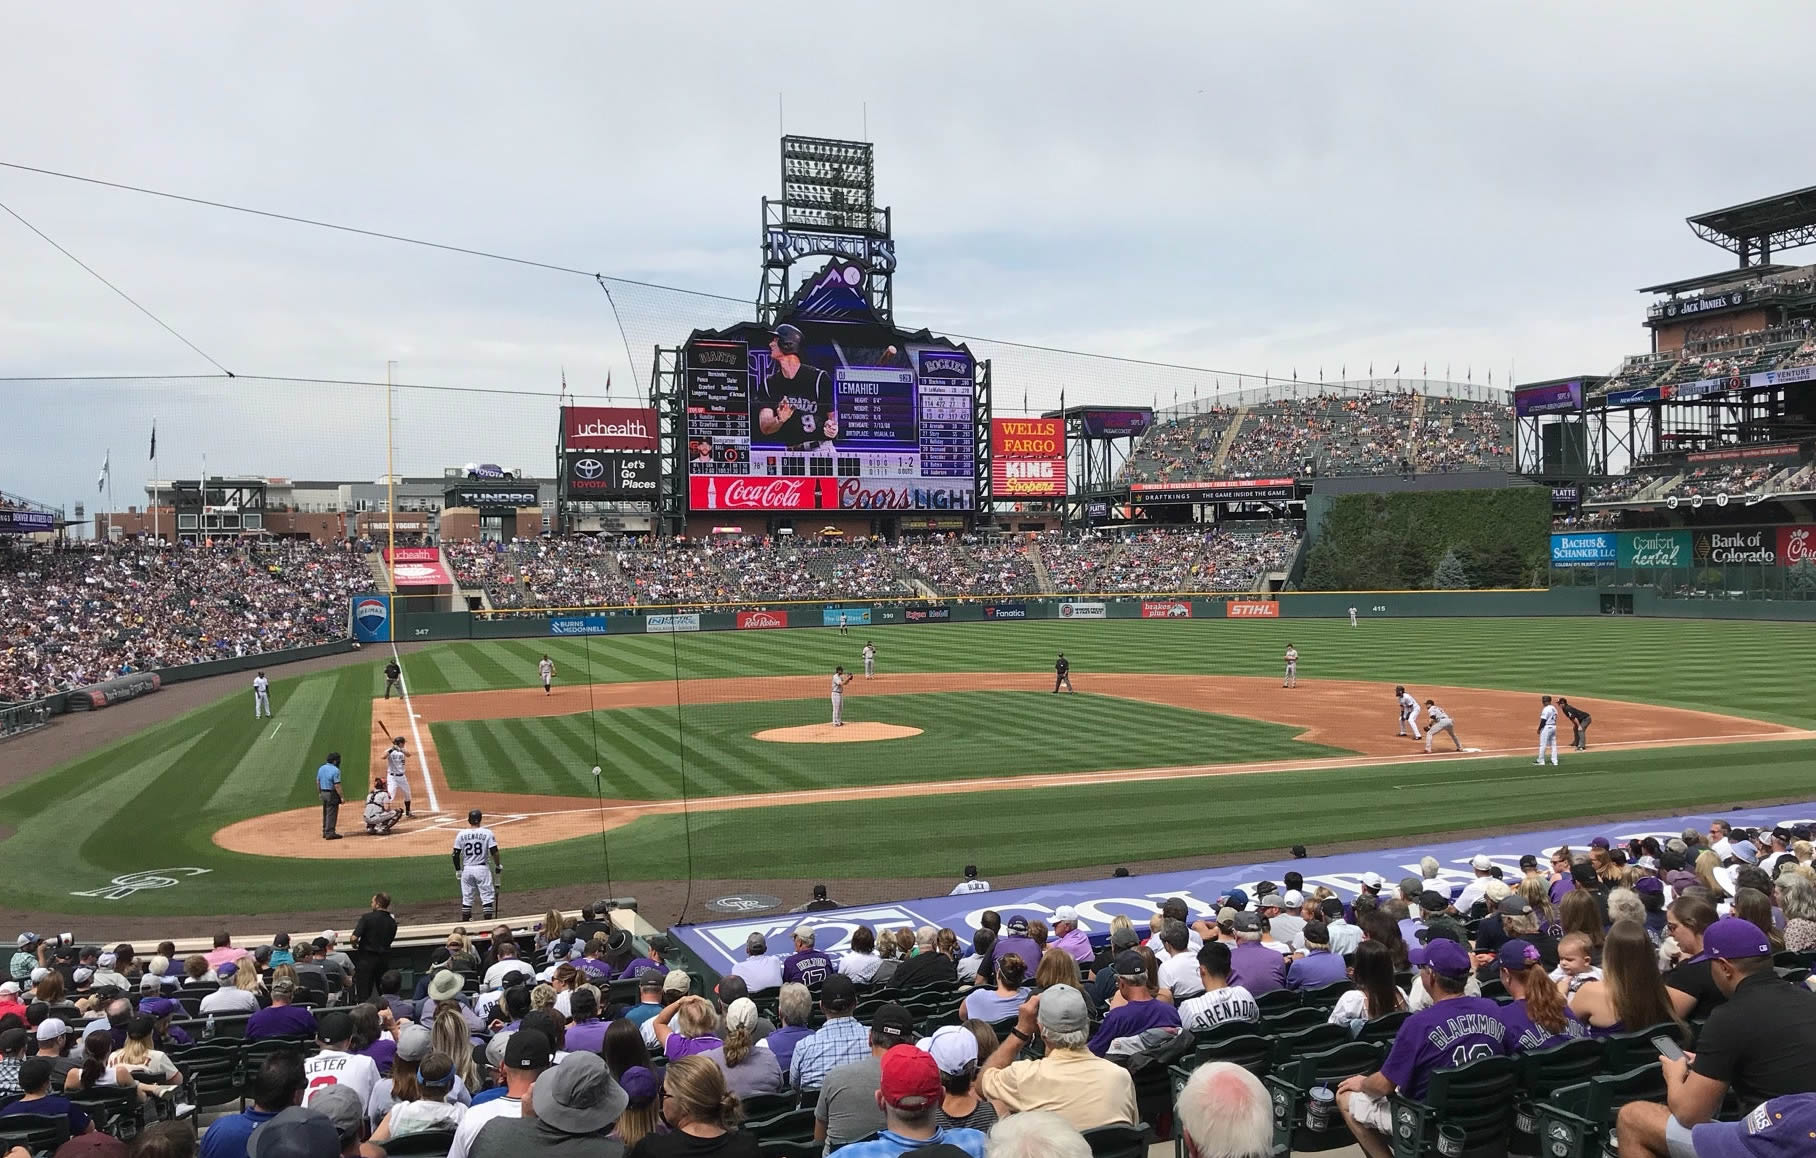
(1069, 936)
(760, 968)
(841, 1039)
(1085, 1090)
(1761, 1043)
(336, 1064)
(1452, 1031)
(26, 959)
(1140, 1009)
(795, 405)
(1477, 889)
(909, 1092)
(848, 1108)
(527, 1053)
(1281, 910)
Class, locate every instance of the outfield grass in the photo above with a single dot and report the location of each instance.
(153, 800)
(1744, 668)
(644, 756)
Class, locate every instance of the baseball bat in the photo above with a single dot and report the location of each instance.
(382, 731)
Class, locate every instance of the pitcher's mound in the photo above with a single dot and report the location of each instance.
(851, 733)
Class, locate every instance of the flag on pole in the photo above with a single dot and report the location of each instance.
(106, 469)
(1396, 367)
(154, 440)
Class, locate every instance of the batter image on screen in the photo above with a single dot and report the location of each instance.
(795, 407)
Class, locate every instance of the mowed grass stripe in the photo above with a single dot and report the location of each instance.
(544, 761)
(640, 753)
(273, 752)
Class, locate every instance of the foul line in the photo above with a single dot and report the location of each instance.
(274, 731)
(428, 781)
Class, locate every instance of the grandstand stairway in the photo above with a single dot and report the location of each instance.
(1413, 428)
(1229, 440)
(1044, 581)
(375, 560)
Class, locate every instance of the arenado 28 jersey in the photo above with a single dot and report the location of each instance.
(473, 844)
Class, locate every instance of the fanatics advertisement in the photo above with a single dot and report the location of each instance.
(1005, 611)
(608, 428)
(761, 620)
(1557, 398)
(720, 944)
(1251, 609)
(1224, 491)
(1083, 611)
(1583, 550)
(1027, 458)
(1166, 609)
(883, 422)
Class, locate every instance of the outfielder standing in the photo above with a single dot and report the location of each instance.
(475, 859)
(1579, 722)
(261, 696)
(1409, 711)
(393, 673)
(869, 660)
(1291, 679)
(1062, 674)
(839, 679)
(398, 784)
(1547, 730)
(842, 629)
(1440, 722)
(546, 669)
(1352, 617)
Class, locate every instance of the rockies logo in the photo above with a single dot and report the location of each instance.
(588, 468)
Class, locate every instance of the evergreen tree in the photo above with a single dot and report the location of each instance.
(1450, 574)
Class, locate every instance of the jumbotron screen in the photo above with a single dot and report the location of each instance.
(830, 417)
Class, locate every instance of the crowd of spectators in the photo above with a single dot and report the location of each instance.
(1710, 479)
(80, 613)
(969, 564)
(1459, 435)
(1181, 448)
(1164, 560)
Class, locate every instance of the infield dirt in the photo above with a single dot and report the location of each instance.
(1356, 716)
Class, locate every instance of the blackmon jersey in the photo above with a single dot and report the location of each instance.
(810, 393)
(473, 844)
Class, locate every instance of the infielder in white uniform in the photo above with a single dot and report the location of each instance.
(261, 696)
(842, 630)
(380, 817)
(546, 669)
(1291, 679)
(475, 859)
(839, 679)
(1547, 729)
(869, 660)
(1409, 711)
(397, 782)
(1440, 722)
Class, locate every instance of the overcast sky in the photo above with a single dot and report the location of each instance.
(1254, 188)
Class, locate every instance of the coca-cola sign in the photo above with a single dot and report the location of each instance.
(1796, 545)
(734, 493)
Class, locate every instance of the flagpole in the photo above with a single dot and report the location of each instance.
(390, 494)
(155, 533)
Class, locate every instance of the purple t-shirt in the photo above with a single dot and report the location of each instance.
(382, 1052)
(1023, 947)
(1315, 969)
(679, 1046)
(1129, 1020)
(1559, 887)
(586, 1036)
(809, 967)
(594, 968)
(1522, 1034)
(1453, 1032)
(1257, 968)
(280, 1021)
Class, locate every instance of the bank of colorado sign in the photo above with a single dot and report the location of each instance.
(1757, 547)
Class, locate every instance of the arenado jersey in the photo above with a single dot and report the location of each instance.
(809, 392)
(473, 844)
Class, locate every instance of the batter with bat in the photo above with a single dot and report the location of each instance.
(397, 782)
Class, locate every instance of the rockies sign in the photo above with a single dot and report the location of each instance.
(611, 475)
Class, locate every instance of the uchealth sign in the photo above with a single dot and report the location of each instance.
(735, 493)
(1251, 609)
(608, 428)
(1166, 609)
(761, 620)
(720, 944)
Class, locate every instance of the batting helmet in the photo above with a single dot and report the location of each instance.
(475, 816)
(788, 339)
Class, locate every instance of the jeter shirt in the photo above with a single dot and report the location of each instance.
(1450, 1033)
(473, 844)
(809, 392)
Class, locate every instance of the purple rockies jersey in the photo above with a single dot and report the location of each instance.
(809, 967)
(1522, 1034)
(1451, 1033)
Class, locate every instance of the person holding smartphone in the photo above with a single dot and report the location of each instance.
(1761, 1043)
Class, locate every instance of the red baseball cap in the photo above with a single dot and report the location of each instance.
(911, 1079)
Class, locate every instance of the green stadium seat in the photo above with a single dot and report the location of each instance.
(790, 1125)
(1290, 1082)
(1118, 1141)
(1476, 1099)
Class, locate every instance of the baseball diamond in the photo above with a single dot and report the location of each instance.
(1176, 716)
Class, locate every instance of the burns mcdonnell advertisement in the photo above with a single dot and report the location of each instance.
(1028, 458)
(608, 428)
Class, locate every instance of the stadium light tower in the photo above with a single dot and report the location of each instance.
(828, 208)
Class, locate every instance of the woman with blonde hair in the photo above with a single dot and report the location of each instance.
(691, 1031)
(642, 1115)
(1057, 967)
(548, 930)
(542, 997)
(450, 1036)
(1706, 865)
(244, 995)
(698, 1104)
(749, 1071)
(140, 1053)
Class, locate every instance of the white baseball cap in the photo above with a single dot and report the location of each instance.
(1292, 898)
(108, 961)
(1063, 913)
(51, 1028)
(11, 987)
(953, 1048)
(1480, 862)
(39, 974)
(84, 975)
(1372, 880)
